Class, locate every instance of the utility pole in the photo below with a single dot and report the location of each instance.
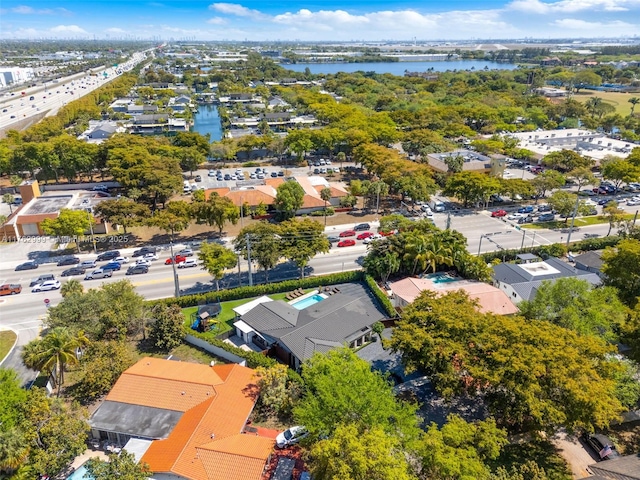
(573, 219)
(523, 237)
(480, 245)
(448, 224)
(248, 240)
(176, 282)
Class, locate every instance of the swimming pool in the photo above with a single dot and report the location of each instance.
(79, 474)
(442, 278)
(307, 302)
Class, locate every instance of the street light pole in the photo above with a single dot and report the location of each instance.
(176, 282)
(248, 240)
(573, 219)
(480, 245)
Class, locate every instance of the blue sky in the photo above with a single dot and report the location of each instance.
(330, 20)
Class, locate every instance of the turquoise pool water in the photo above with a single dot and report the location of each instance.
(307, 302)
(79, 474)
(441, 278)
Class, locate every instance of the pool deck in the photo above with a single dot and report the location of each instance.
(86, 455)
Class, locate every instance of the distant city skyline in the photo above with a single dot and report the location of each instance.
(330, 20)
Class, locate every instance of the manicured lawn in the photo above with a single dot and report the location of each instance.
(617, 99)
(7, 339)
(580, 222)
(227, 315)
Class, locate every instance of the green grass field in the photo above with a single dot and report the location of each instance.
(618, 100)
(580, 222)
(227, 315)
(7, 339)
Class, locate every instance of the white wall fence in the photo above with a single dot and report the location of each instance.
(217, 351)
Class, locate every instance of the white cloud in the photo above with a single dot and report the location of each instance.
(237, 10)
(115, 30)
(75, 29)
(576, 24)
(572, 6)
(217, 21)
(27, 10)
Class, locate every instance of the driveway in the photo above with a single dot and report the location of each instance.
(575, 453)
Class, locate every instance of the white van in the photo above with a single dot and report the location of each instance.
(436, 205)
(186, 187)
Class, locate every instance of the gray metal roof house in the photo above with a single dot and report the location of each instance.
(521, 281)
(622, 468)
(296, 334)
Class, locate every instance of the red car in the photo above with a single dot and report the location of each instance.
(346, 243)
(348, 233)
(387, 234)
(364, 235)
(498, 213)
(178, 259)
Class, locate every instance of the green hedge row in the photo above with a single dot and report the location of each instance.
(553, 250)
(259, 290)
(381, 296)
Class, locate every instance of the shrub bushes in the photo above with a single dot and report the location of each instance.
(381, 296)
(258, 290)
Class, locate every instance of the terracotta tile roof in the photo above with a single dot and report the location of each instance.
(274, 182)
(490, 299)
(309, 201)
(335, 192)
(208, 443)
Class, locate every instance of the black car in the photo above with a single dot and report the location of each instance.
(68, 261)
(27, 266)
(137, 269)
(70, 272)
(604, 201)
(110, 255)
(112, 266)
(544, 208)
(601, 445)
(333, 239)
(198, 178)
(143, 251)
(362, 226)
(523, 220)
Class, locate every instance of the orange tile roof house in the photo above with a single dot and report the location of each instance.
(490, 299)
(185, 420)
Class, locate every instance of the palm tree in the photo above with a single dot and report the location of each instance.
(341, 157)
(54, 352)
(593, 105)
(438, 253)
(13, 450)
(72, 287)
(325, 194)
(417, 246)
(633, 101)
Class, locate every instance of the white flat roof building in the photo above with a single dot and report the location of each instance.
(590, 144)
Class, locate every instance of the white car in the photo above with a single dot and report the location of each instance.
(291, 436)
(186, 252)
(99, 273)
(121, 260)
(633, 202)
(143, 261)
(189, 262)
(150, 256)
(368, 240)
(46, 286)
(516, 216)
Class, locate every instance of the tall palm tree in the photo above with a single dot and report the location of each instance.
(341, 157)
(13, 450)
(72, 287)
(415, 251)
(54, 352)
(633, 101)
(438, 253)
(325, 194)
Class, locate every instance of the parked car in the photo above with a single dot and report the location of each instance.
(47, 277)
(348, 233)
(516, 216)
(498, 213)
(137, 269)
(346, 243)
(291, 436)
(386, 234)
(632, 203)
(99, 273)
(189, 262)
(523, 220)
(70, 272)
(27, 266)
(601, 445)
(112, 266)
(364, 235)
(46, 286)
(211, 173)
(604, 201)
(546, 217)
(67, 261)
(586, 193)
(110, 255)
(526, 209)
(143, 251)
(198, 178)
(176, 258)
(333, 239)
(186, 252)
(10, 289)
(544, 208)
(591, 211)
(362, 226)
(100, 188)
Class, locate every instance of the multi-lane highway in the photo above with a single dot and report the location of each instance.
(23, 103)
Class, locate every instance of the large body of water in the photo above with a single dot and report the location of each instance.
(206, 120)
(398, 68)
